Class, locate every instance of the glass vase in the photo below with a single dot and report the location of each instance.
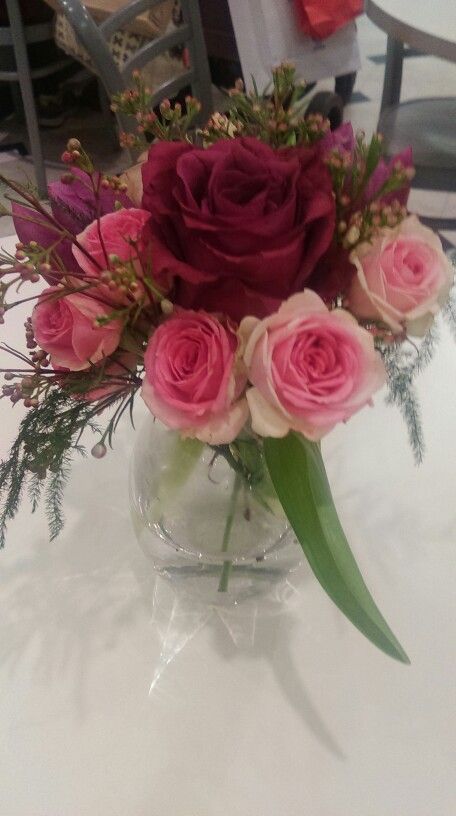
(209, 521)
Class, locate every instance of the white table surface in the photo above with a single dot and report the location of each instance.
(427, 26)
(312, 721)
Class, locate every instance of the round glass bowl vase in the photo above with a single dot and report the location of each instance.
(203, 524)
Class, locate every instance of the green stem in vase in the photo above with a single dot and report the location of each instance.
(227, 565)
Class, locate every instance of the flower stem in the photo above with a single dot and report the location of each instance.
(227, 565)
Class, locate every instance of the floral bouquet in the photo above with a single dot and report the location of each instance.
(256, 282)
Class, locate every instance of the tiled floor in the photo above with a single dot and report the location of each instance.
(423, 76)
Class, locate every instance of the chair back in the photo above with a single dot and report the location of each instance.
(94, 38)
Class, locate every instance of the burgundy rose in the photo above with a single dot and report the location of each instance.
(333, 273)
(239, 226)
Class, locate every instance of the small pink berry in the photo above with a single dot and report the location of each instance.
(67, 178)
(73, 144)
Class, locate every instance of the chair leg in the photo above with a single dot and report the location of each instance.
(25, 80)
(202, 87)
(17, 101)
(393, 73)
(107, 114)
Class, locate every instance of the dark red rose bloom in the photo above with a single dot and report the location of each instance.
(333, 273)
(239, 226)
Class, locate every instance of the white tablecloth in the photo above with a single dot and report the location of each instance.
(312, 720)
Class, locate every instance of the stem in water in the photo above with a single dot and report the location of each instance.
(226, 569)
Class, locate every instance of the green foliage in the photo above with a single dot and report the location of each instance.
(373, 155)
(403, 364)
(299, 477)
(249, 451)
(40, 456)
(174, 123)
(54, 494)
(276, 116)
(449, 311)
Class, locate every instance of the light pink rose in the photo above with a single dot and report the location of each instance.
(403, 278)
(310, 368)
(193, 381)
(65, 328)
(118, 233)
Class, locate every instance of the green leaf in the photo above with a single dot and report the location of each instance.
(251, 454)
(373, 157)
(291, 139)
(183, 456)
(299, 477)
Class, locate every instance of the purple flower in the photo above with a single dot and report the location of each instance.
(30, 225)
(73, 206)
(343, 137)
(383, 172)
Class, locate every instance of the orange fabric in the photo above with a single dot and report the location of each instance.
(321, 18)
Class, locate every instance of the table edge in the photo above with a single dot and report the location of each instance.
(415, 37)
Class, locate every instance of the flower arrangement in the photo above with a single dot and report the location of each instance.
(256, 282)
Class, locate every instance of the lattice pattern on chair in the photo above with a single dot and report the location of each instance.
(126, 42)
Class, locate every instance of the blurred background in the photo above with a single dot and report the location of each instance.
(61, 59)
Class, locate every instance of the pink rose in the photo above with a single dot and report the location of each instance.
(73, 206)
(403, 277)
(65, 328)
(193, 382)
(310, 368)
(118, 233)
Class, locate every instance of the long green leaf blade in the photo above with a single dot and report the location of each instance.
(298, 475)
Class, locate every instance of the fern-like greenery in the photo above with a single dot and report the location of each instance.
(40, 456)
(403, 363)
(449, 313)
